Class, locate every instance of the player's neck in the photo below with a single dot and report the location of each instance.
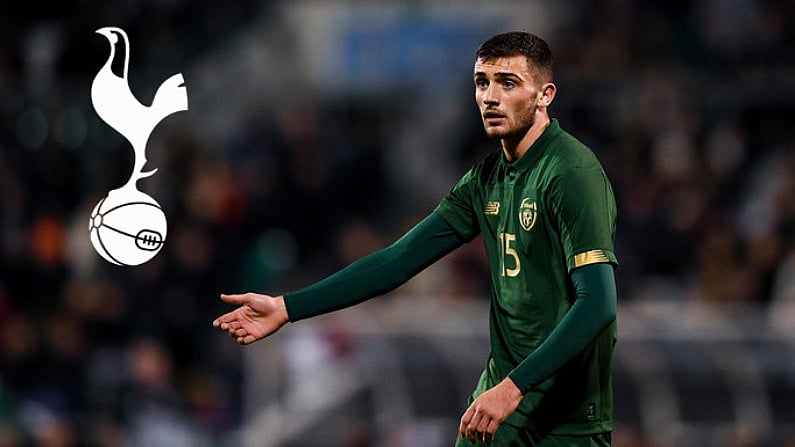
(514, 148)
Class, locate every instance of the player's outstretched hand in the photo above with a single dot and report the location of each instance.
(482, 419)
(256, 317)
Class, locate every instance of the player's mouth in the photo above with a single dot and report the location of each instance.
(493, 117)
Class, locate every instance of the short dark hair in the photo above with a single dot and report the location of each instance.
(519, 43)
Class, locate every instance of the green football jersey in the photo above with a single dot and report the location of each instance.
(541, 216)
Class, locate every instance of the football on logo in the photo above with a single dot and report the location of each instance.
(127, 227)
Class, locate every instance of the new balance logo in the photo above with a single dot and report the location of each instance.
(492, 209)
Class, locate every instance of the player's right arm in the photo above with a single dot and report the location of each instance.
(377, 273)
(261, 315)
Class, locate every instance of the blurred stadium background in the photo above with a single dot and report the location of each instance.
(318, 131)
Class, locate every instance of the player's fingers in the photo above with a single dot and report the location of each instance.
(465, 419)
(472, 427)
(491, 430)
(219, 321)
(481, 428)
(225, 319)
(226, 323)
(234, 299)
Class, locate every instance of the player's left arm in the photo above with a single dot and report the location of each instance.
(594, 309)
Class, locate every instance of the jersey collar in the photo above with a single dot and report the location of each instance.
(539, 146)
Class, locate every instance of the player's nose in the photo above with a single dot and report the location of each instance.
(490, 95)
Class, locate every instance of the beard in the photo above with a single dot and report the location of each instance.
(512, 129)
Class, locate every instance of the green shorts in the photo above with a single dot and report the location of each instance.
(510, 436)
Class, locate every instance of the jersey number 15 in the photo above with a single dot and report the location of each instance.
(506, 240)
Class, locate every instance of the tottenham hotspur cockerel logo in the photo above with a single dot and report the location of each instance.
(128, 227)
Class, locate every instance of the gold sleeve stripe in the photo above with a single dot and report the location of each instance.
(590, 257)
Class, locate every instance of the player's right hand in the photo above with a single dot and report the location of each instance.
(256, 317)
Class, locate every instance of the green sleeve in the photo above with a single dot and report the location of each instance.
(584, 207)
(594, 309)
(376, 273)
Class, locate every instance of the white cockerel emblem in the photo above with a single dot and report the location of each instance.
(127, 226)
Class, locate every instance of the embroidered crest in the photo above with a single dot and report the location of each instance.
(528, 212)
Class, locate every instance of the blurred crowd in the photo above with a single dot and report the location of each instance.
(689, 104)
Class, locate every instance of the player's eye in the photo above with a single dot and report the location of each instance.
(481, 83)
(509, 84)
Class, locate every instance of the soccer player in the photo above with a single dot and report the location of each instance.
(547, 214)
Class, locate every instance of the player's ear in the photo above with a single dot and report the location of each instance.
(547, 95)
